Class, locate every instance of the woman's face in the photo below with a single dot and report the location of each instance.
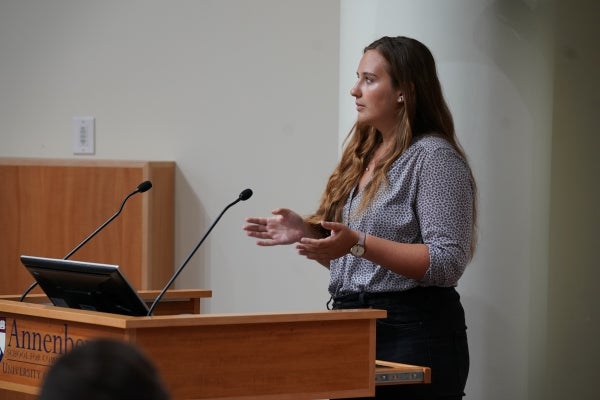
(376, 99)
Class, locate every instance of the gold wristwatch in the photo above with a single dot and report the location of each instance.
(359, 248)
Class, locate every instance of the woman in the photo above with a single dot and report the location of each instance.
(396, 221)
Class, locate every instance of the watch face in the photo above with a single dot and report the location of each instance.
(357, 250)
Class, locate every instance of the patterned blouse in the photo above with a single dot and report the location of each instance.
(429, 200)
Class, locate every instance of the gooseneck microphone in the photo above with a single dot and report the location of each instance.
(141, 188)
(244, 195)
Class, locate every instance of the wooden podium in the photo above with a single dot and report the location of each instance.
(306, 355)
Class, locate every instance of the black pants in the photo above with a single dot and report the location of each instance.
(425, 327)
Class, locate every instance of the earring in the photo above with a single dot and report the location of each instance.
(400, 99)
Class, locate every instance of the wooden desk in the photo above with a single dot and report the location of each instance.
(391, 373)
(175, 301)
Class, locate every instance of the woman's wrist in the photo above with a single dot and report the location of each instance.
(315, 231)
(359, 249)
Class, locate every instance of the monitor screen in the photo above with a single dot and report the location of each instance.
(85, 285)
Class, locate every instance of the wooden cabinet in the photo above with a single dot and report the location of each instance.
(48, 206)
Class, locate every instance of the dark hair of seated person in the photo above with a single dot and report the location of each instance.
(103, 369)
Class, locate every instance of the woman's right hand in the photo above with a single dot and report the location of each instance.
(285, 227)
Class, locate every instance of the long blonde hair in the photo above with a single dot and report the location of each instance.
(412, 70)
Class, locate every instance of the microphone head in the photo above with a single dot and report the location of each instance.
(144, 186)
(246, 194)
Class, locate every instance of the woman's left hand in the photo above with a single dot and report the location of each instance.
(334, 246)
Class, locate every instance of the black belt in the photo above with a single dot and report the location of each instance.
(417, 293)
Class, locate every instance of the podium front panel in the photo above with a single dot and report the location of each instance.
(30, 345)
(320, 359)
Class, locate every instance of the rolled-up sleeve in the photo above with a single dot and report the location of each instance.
(445, 201)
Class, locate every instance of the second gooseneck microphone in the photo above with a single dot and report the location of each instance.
(141, 188)
(244, 195)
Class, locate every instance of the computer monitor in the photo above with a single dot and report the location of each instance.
(85, 285)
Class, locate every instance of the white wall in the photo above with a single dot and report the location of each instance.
(238, 93)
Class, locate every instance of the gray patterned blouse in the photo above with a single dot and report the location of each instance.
(429, 200)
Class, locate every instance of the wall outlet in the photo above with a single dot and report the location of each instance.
(83, 135)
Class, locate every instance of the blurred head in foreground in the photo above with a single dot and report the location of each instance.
(103, 369)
